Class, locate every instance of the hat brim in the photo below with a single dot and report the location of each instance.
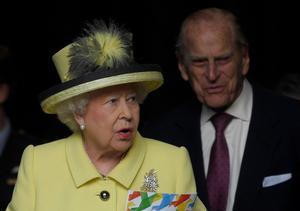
(149, 75)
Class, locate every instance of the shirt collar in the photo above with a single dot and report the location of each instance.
(83, 170)
(241, 108)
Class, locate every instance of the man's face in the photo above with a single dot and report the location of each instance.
(213, 64)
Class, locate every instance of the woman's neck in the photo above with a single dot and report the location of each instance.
(104, 160)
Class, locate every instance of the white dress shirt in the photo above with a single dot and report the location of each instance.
(235, 134)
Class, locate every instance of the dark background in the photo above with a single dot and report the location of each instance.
(34, 32)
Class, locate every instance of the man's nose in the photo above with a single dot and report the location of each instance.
(212, 71)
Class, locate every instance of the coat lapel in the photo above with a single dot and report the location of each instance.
(260, 143)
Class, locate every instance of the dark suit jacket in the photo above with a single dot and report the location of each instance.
(9, 162)
(272, 148)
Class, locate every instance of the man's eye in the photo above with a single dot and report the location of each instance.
(199, 63)
(224, 60)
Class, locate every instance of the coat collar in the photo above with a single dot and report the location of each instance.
(83, 170)
(81, 167)
(129, 166)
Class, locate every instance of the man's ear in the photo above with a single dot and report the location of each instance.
(183, 72)
(4, 92)
(246, 62)
(182, 67)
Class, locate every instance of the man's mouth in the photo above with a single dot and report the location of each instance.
(215, 89)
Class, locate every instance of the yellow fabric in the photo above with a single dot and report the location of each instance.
(59, 176)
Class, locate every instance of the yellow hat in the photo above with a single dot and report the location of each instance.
(101, 59)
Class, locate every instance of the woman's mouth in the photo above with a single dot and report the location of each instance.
(125, 133)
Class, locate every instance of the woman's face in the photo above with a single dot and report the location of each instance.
(111, 118)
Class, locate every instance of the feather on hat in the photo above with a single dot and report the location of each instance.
(100, 59)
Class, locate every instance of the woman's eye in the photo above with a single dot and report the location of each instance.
(132, 99)
(112, 101)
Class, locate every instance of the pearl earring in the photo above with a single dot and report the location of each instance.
(82, 127)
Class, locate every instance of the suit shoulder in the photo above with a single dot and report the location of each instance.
(187, 108)
(276, 103)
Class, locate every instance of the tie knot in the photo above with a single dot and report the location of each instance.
(220, 121)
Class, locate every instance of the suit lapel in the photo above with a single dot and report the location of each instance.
(260, 143)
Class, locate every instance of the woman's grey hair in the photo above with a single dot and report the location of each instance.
(212, 15)
(77, 105)
(66, 110)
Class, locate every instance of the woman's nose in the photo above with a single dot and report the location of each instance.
(125, 111)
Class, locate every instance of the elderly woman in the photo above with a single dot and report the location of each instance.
(106, 164)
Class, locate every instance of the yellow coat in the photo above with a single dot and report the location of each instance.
(59, 176)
